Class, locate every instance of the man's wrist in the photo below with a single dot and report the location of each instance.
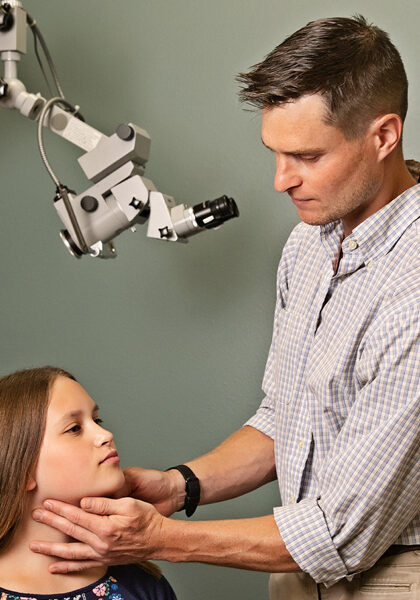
(177, 484)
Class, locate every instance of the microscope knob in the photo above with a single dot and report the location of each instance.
(125, 132)
(89, 203)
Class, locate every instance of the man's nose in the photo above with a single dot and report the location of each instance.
(286, 177)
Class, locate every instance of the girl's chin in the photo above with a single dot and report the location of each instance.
(107, 491)
(113, 486)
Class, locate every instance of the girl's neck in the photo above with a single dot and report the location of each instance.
(26, 572)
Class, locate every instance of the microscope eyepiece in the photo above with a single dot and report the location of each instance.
(213, 213)
(187, 221)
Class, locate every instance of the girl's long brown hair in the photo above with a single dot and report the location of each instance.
(24, 399)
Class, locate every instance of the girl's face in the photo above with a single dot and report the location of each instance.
(78, 457)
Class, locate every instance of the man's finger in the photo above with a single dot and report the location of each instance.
(70, 552)
(65, 520)
(76, 515)
(109, 506)
(73, 567)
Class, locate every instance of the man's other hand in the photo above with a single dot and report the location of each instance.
(164, 489)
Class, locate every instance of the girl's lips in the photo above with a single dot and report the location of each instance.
(111, 457)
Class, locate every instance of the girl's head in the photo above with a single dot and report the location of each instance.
(51, 445)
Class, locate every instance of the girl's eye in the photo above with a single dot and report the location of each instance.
(74, 429)
(98, 421)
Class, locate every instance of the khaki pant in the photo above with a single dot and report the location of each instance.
(392, 578)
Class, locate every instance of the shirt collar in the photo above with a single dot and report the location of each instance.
(375, 236)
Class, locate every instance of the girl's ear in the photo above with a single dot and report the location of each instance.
(31, 484)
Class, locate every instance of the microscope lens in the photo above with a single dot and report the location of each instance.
(213, 213)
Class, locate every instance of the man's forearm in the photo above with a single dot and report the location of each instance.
(242, 463)
(243, 543)
(126, 530)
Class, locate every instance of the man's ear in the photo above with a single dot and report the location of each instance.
(387, 132)
(31, 485)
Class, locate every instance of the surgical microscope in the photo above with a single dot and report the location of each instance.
(120, 197)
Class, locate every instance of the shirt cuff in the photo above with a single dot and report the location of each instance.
(263, 420)
(305, 533)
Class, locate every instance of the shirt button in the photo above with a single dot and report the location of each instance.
(301, 443)
(370, 265)
(352, 244)
(290, 499)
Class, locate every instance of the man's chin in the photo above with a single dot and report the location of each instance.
(316, 221)
(308, 215)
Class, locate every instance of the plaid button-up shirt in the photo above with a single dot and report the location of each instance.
(342, 386)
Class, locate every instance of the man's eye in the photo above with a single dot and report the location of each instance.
(74, 429)
(309, 158)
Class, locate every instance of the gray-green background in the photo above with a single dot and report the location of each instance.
(169, 339)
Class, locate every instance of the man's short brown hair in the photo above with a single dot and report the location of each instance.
(352, 64)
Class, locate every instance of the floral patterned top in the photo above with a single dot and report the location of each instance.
(125, 582)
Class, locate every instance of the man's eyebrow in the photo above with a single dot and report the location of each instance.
(298, 152)
(305, 152)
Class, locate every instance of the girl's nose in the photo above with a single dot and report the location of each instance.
(103, 436)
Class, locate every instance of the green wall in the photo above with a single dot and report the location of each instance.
(169, 339)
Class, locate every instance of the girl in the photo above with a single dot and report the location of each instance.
(52, 445)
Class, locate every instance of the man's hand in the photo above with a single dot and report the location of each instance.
(164, 489)
(116, 532)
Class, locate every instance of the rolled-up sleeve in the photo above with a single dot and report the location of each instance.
(264, 420)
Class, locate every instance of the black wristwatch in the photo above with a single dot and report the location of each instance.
(192, 489)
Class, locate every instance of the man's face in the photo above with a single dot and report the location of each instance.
(327, 176)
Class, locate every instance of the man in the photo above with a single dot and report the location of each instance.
(339, 424)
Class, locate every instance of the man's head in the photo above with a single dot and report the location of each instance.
(353, 65)
(333, 97)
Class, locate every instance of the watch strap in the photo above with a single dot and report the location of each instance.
(192, 489)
